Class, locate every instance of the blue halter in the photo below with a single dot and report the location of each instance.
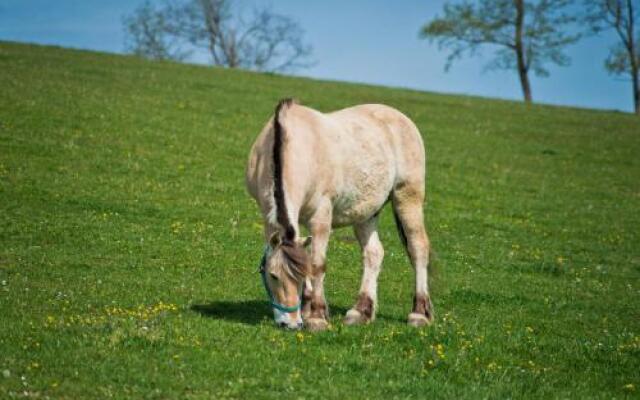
(263, 273)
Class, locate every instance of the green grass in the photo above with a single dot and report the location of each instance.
(128, 245)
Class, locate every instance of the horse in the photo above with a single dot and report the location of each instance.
(330, 170)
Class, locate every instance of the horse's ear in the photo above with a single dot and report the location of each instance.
(306, 242)
(275, 240)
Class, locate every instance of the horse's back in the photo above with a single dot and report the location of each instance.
(384, 125)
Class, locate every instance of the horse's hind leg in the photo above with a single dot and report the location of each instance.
(372, 254)
(407, 207)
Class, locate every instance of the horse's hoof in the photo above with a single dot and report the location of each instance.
(355, 317)
(316, 324)
(419, 320)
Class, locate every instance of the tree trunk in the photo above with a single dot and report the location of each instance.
(524, 82)
(523, 70)
(633, 57)
(636, 91)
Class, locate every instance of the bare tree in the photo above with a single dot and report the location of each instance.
(266, 41)
(526, 34)
(148, 35)
(624, 56)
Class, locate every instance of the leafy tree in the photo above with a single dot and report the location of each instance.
(527, 35)
(624, 56)
(266, 41)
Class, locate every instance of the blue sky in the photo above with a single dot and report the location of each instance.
(370, 41)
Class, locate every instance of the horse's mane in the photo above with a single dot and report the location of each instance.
(282, 215)
(295, 261)
(294, 257)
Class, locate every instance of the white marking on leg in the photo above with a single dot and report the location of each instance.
(372, 255)
(318, 287)
(421, 276)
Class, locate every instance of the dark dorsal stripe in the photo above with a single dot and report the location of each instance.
(278, 189)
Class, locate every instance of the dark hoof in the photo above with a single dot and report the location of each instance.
(422, 314)
(362, 313)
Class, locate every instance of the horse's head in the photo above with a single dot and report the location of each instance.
(284, 269)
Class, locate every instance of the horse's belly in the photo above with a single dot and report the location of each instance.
(361, 198)
(350, 216)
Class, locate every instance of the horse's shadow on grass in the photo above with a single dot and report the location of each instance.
(251, 312)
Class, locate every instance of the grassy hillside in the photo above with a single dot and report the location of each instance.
(128, 245)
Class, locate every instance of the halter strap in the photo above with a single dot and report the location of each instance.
(263, 273)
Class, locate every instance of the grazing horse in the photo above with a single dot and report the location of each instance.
(332, 170)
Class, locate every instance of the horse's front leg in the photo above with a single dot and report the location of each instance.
(315, 311)
(364, 310)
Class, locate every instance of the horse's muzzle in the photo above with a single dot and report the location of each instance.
(284, 320)
(293, 326)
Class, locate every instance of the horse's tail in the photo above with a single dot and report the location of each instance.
(282, 215)
(403, 239)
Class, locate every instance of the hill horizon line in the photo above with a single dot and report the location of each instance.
(321, 80)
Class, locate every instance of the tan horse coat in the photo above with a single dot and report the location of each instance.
(334, 170)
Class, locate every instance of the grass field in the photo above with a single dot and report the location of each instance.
(129, 246)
